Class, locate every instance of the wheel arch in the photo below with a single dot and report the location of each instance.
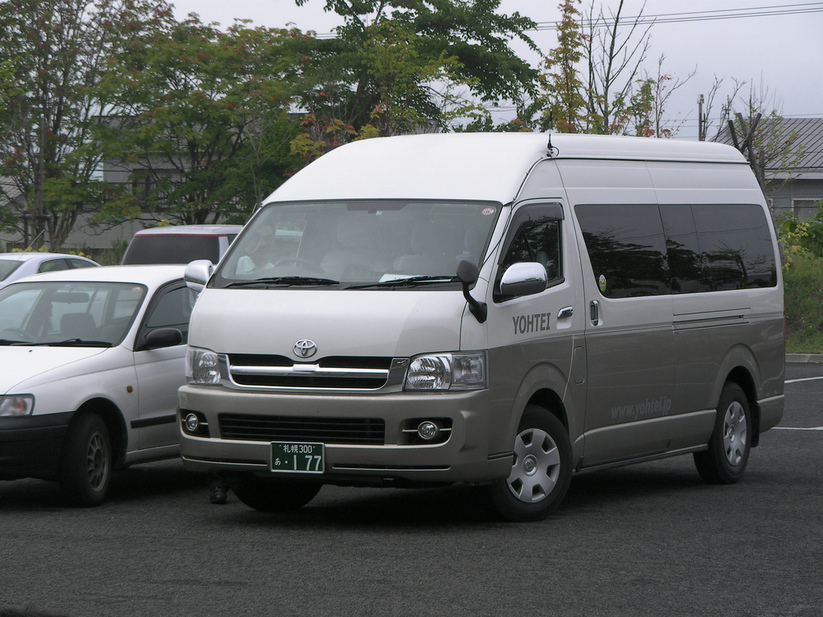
(741, 376)
(542, 386)
(116, 425)
(551, 402)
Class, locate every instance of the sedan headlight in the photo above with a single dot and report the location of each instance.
(202, 366)
(16, 405)
(447, 371)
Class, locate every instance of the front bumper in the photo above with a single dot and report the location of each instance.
(470, 453)
(31, 446)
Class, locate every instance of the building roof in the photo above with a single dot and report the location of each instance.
(808, 142)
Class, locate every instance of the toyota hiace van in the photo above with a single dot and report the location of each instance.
(503, 310)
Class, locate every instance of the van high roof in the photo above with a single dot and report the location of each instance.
(484, 166)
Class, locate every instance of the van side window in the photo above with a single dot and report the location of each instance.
(627, 249)
(535, 238)
(685, 264)
(713, 248)
(735, 246)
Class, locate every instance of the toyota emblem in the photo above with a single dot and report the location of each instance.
(305, 348)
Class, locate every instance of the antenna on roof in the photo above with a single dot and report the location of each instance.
(552, 150)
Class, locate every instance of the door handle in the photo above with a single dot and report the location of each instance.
(594, 312)
(566, 311)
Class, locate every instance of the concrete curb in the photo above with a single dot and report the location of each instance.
(815, 358)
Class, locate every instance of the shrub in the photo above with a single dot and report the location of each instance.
(803, 282)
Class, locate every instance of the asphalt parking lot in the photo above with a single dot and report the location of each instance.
(646, 540)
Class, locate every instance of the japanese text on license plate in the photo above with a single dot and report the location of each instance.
(297, 457)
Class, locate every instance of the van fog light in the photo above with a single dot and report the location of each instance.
(428, 430)
(192, 423)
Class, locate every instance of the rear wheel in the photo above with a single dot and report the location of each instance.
(271, 495)
(86, 465)
(541, 469)
(730, 444)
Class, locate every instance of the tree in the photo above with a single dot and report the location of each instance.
(759, 132)
(614, 62)
(52, 53)
(565, 99)
(645, 114)
(614, 98)
(396, 65)
(203, 119)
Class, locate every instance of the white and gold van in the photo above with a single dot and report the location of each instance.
(496, 309)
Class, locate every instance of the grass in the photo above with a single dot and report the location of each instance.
(803, 284)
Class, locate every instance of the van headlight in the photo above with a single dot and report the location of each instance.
(447, 371)
(16, 405)
(202, 366)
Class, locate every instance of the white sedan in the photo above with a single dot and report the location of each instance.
(14, 266)
(92, 360)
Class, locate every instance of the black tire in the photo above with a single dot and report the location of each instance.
(730, 444)
(541, 469)
(272, 495)
(86, 464)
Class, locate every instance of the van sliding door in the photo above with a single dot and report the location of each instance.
(629, 337)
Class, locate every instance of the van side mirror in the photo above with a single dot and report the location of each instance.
(197, 274)
(468, 273)
(524, 279)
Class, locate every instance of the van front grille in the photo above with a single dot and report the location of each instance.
(353, 431)
(334, 372)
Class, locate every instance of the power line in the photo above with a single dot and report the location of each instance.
(719, 14)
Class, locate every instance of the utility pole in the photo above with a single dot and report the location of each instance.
(701, 121)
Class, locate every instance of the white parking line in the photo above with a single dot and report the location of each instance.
(802, 379)
(797, 428)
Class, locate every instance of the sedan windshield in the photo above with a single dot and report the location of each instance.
(358, 244)
(76, 313)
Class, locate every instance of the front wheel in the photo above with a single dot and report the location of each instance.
(271, 495)
(541, 469)
(725, 460)
(86, 465)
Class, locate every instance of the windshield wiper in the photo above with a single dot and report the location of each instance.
(8, 341)
(286, 281)
(70, 342)
(411, 281)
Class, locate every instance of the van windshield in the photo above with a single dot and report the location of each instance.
(363, 243)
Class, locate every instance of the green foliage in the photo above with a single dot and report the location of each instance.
(472, 31)
(410, 65)
(563, 99)
(803, 283)
(802, 243)
(51, 55)
(204, 121)
(801, 238)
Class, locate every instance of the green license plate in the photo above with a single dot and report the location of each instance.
(293, 457)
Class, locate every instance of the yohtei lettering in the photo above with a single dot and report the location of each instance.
(525, 324)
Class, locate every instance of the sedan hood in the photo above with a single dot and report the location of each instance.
(26, 367)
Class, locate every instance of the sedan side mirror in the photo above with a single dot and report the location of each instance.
(162, 337)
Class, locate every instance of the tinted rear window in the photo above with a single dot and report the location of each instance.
(7, 267)
(172, 249)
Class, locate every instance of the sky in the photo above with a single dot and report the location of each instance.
(774, 45)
